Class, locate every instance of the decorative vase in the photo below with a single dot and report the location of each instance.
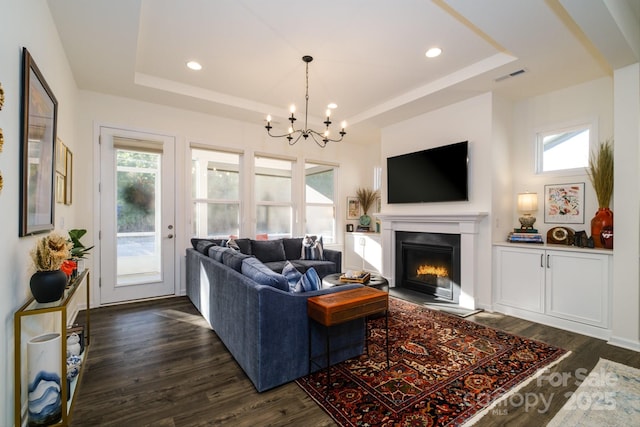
(365, 220)
(48, 286)
(44, 365)
(602, 228)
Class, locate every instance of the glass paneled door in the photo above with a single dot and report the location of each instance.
(137, 215)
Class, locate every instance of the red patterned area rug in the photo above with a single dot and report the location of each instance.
(444, 371)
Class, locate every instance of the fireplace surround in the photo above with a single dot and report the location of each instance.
(429, 263)
(466, 225)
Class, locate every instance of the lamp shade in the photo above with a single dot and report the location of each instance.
(527, 202)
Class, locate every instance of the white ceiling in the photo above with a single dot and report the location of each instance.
(368, 54)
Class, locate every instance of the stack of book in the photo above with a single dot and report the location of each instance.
(355, 277)
(529, 235)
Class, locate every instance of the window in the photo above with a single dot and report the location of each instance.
(565, 149)
(215, 190)
(273, 196)
(320, 201)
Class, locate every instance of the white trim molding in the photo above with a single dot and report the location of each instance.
(465, 224)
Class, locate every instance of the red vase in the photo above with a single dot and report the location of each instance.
(602, 229)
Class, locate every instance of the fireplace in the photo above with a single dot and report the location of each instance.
(429, 263)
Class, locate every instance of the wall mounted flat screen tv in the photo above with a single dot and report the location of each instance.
(437, 174)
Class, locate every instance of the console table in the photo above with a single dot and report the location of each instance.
(34, 308)
(339, 307)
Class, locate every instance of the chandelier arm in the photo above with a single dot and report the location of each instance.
(313, 133)
(300, 133)
(322, 143)
(283, 135)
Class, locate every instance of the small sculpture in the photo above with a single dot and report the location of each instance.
(73, 345)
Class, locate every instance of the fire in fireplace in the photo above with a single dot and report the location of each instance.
(429, 263)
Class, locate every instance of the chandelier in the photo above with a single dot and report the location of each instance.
(293, 135)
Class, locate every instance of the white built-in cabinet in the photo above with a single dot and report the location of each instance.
(363, 251)
(559, 286)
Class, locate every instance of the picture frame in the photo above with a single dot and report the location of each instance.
(564, 203)
(68, 178)
(353, 208)
(60, 184)
(61, 157)
(37, 150)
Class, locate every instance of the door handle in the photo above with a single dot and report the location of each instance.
(170, 236)
(548, 261)
(542, 260)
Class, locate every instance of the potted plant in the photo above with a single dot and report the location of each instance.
(600, 174)
(366, 197)
(78, 250)
(49, 281)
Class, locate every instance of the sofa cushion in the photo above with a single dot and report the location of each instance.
(244, 245)
(276, 266)
(234, 259)
(203, 246)
(257, 271)
(292, 248)
(268, 250)
(312, 248)
(216, 252)
(323, 268)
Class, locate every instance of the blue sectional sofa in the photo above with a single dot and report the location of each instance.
(262, 323)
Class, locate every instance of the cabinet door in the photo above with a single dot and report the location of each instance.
(520, 278)
(363, 251)
(577, 287)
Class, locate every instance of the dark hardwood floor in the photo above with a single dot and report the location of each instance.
(157, 363)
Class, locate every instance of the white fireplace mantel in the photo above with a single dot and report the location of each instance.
(466, 224)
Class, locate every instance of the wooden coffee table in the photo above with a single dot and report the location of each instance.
(339, 307)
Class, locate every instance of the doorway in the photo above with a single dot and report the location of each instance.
(137, 215)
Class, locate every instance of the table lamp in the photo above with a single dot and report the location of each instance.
(527, 204)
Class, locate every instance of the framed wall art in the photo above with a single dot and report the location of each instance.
(564, 203)
(353, 208)
(59, 188)
(37, 150)
(68, 178)
(61, 157)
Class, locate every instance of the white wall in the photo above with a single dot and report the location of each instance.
(626, 269)
(41, 39)
(470, 120)
(584, 102)
(356, 161)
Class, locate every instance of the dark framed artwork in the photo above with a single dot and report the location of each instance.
(564, 203)
(37, 150)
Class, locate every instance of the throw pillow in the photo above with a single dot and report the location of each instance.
(292, 275)
(298, 282)
(233, 245)
(312, 248)
(310, 281)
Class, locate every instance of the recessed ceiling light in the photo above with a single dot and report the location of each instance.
(433, 52)
(194, 65)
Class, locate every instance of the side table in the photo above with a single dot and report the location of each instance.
(339, 307)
